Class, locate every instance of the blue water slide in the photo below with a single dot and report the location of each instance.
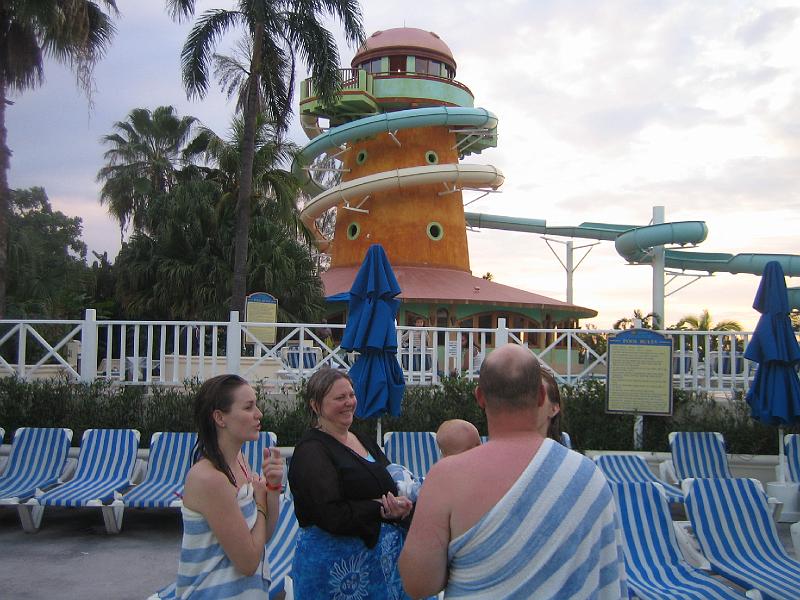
(635, 243)
(389, 122)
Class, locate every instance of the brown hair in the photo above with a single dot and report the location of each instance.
(215, 394)
(317, 386)
(554, 396)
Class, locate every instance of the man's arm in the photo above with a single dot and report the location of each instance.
(423, 561)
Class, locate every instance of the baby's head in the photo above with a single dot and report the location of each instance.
(456, 436)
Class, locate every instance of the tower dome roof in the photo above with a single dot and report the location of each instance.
(404, 40)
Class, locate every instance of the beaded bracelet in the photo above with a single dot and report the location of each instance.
(262, 510)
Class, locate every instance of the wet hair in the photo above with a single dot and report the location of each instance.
(318, 385)
(553, 396)
(513, 384)
(215, 394)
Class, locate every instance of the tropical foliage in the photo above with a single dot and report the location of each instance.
(47, 271)
(143, 162)
(75, 32)
(178, 262)
(647, 321)
(274, 33)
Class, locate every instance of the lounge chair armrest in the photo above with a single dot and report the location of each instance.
(666, 471)
(69, 469)
(794, 529)
(139, 470)
(776, 506)
(690, 547)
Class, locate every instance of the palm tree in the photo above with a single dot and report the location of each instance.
(271, 184)
(145, 155)
(648, 321)
(276, 31)
(75, 32)
(703, 322)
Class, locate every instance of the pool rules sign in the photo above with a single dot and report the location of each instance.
(639, 373)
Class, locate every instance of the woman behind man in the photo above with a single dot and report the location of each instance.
(346, 504)
(549, 424)
(228, 513)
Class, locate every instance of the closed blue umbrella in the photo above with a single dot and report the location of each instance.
(774, 395)
(371, 330)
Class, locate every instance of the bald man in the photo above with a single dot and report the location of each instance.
(518, 517)
(456, 436)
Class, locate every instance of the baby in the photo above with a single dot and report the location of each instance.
(456, 436)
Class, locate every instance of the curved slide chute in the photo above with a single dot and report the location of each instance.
(634, 243)
(334, 138)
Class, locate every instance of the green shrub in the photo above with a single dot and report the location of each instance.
(78, 406)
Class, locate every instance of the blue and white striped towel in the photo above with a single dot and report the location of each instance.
(205, 571)
(555, 534)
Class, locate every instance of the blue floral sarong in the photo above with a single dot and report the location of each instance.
(339, 567)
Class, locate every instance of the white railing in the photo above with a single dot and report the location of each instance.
(171, 352)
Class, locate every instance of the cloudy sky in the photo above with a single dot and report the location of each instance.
(606, 110)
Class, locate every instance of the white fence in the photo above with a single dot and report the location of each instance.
(170, 352)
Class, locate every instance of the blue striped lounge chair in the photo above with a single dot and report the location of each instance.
(105, 467)
(37, 459)
(253, 452)
(169, 461)
(791, 446)
(415, 450)
(566, 441)
(280, 548)
(696, 454)
(733, 524)
(2, 435)
(654, 564)
(629, 468)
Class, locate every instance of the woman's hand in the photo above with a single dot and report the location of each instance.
(272, 468)
(394, 507)
(259, 489)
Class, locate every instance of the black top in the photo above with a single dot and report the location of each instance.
(335, 489)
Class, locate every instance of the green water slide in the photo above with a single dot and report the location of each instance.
(635, 243)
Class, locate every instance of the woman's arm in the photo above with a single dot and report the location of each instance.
(210, 493)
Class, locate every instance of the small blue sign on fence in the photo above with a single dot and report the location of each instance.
(639, 378)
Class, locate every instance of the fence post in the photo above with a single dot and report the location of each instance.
(89, 346)
(233, 347)
(501, 335)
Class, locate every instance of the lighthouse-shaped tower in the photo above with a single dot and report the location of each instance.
(389, 162)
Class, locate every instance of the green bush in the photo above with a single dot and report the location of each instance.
(59, 403)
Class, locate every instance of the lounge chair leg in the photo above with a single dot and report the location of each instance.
(112, 516)
(30, 515)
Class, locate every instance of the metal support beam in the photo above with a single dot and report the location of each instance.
(569, 266)
(658, 272)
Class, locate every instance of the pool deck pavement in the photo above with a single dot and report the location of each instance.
(72, 556)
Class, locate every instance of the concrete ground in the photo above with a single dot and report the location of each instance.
(72, 557)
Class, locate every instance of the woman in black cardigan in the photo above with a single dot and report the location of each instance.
(351, 519)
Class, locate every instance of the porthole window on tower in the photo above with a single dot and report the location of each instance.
(435, 231)
(431, 157)
(361, 157)
(353, 230)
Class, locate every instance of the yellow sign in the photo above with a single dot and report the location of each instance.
(262, 308)
(639, 373)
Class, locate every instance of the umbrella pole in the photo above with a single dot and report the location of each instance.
(380, 440)
(781, 458)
